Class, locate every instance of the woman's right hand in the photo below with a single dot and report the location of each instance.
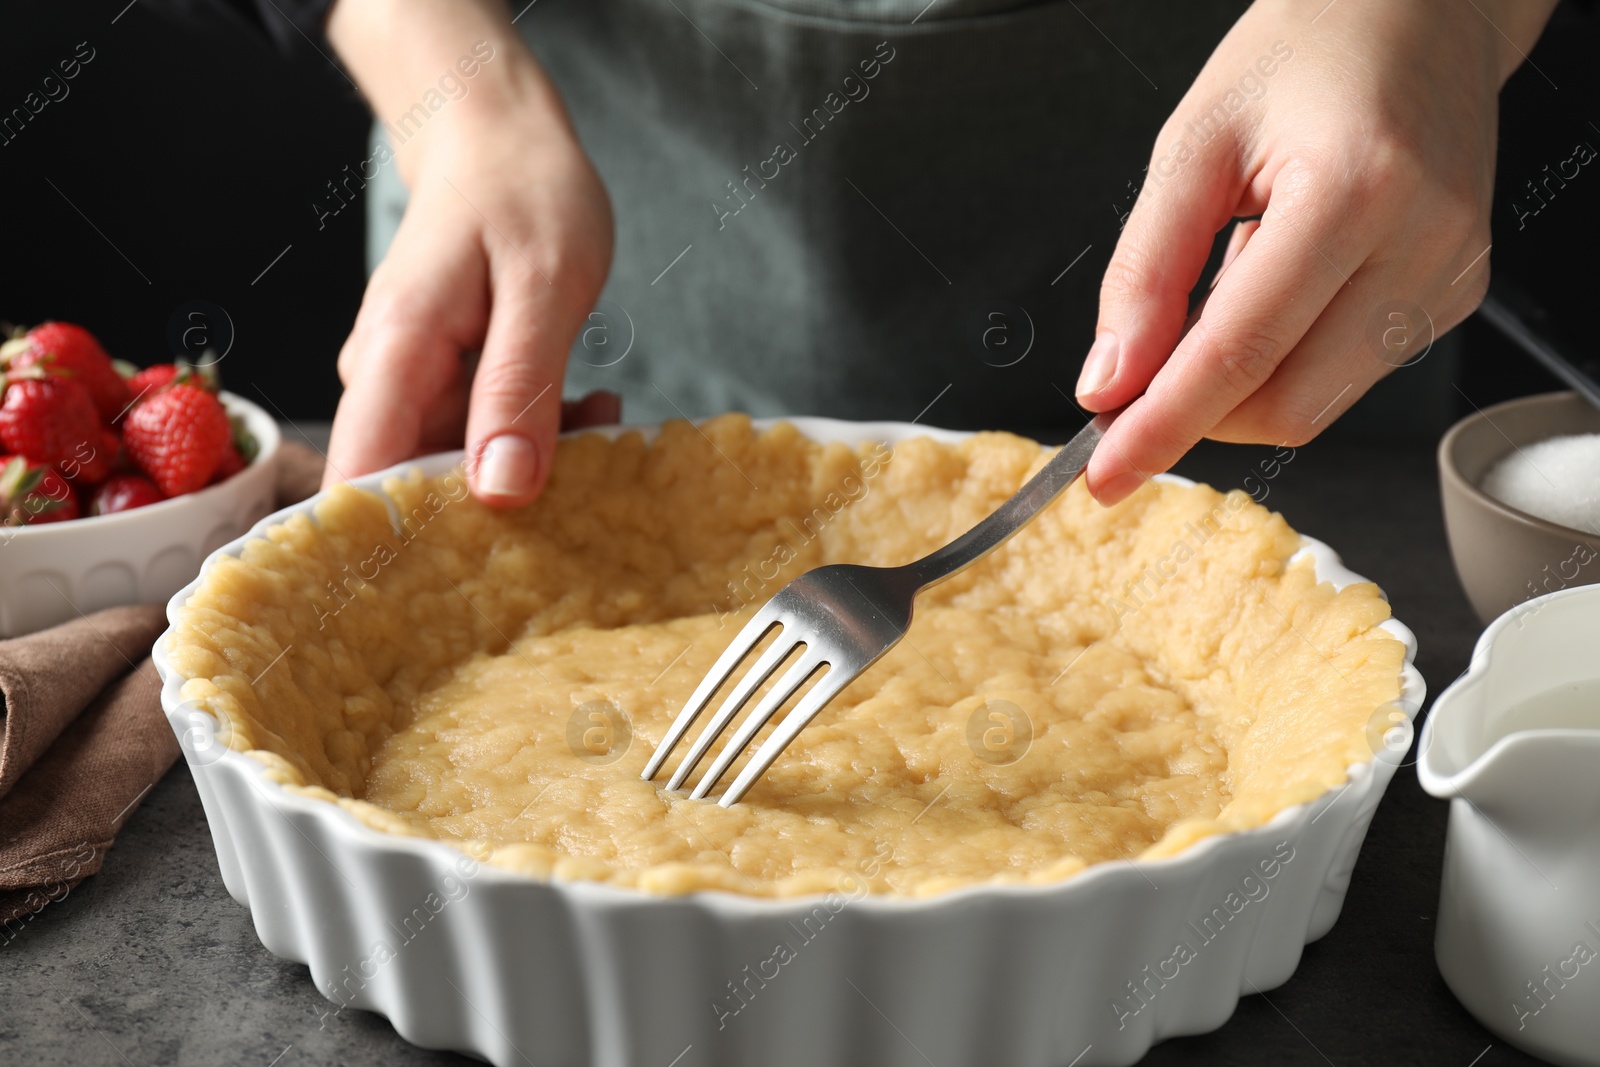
(503, 250)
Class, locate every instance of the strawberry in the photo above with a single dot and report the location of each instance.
(111, 442)
(51, 421)
(123, 492)
(68, 351)
(32, 493)
(232, 463)
(242, 451)
(178, 437)
(152, 379)
(90, 464)
(147, 381)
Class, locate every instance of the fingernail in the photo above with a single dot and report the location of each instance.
(508, 466)
(1118, 487)
(1099, 366)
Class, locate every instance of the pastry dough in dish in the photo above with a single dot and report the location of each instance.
(1111, 684)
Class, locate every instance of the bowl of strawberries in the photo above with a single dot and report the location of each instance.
(116, 482)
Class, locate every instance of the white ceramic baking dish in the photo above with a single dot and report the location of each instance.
(468, 957)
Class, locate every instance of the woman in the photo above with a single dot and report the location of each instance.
(873, 209)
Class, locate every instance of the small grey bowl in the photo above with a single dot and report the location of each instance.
(1505, 556)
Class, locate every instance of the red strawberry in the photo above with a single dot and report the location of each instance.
(32, 493)
(90, 464)
(111, 441)
(50, 420)
(178, 437)
(147, 381)
(232, 463)
(241, 452)
(122, 492)
(60, 348)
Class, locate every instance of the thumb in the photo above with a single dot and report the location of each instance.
(380, 414)
(1144, 295)
(422, 307)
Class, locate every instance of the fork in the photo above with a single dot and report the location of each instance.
(844, 617)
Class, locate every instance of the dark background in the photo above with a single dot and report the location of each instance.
(196, 149)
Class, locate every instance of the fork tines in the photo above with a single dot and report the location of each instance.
(807, 662)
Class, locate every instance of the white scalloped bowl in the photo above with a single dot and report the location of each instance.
(483, 961)
(54, 572)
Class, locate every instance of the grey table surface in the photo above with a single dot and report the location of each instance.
(151, 962)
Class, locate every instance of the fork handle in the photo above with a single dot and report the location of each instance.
(1052, 479)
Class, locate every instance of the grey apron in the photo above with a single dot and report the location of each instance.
(826, 208)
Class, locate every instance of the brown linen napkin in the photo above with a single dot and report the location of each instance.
(58, 821)
(83, 737)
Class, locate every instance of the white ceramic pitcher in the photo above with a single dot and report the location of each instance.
(1514, 745)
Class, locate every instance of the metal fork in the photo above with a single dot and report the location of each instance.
(843, 617)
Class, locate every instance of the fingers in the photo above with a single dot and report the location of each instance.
(404, 353)
(1276, 288)
(444, 421)
(1378, 323)
(1242, 232)
(515, 410)
(1144, 296)
(1326, 372)
(454, 289)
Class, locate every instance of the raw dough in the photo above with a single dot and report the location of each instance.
(1113, 683)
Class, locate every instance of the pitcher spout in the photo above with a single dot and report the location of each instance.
(1543, 782)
